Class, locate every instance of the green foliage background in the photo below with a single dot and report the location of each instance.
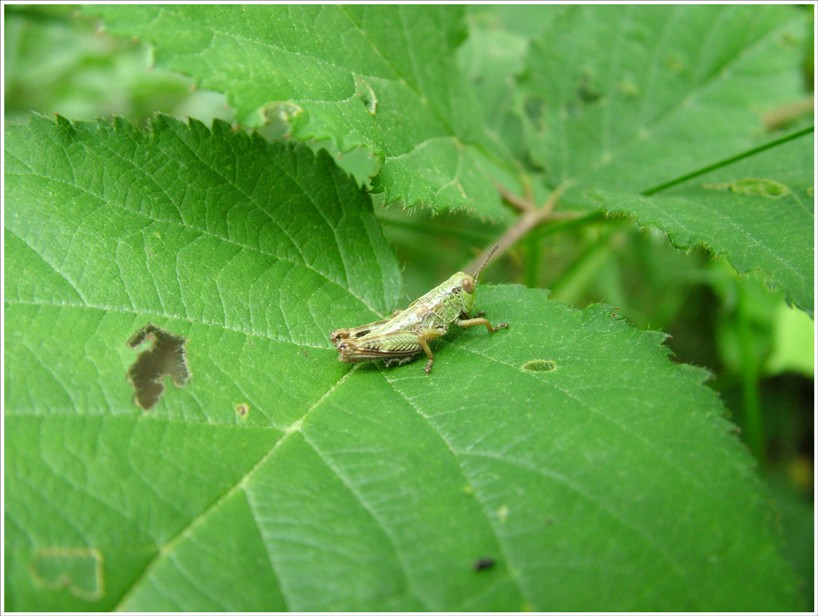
(598, 470)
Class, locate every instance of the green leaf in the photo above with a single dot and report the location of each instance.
(567, 450)
(758, 212)
(379, 78)
(626, 98)
(621, 101)
(493, 57)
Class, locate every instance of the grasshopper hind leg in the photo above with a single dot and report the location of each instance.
(419, 340)
(479, 320)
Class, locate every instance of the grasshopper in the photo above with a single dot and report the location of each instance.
(402, 336)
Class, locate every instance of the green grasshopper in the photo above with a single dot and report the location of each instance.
(406, 333)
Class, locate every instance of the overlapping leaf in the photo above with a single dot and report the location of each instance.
(373, 77)
(759, 212)
(623, 99)
(568, 450)
(627, 98)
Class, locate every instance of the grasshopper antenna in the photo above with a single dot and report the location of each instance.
(485, 261)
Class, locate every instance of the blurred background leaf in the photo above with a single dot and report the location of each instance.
(92, 75)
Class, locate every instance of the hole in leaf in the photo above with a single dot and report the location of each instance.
(366, 94)
(539, 365)
(163, 355)
(279, 117)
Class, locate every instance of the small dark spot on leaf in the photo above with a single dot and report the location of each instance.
(586, 91)
(539, 365)
(481, 564)
(163, 355)
(535, 108)
(243, 409)
(531, 163)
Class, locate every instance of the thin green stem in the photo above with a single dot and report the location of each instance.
(573, 282)
(533, 256)
(749, 380)
(727, 161)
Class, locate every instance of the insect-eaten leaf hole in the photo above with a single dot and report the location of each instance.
(163, 355)
(539, 365)
(482, 564)
(278, 118)
(763, 187)
(366, 94)
(242, 410)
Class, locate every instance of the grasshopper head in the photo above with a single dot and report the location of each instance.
(338, 336)
(468, 284)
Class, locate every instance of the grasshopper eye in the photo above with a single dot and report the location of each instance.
(468, 285)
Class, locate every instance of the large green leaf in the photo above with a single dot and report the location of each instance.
(381, 78)
(567, 450)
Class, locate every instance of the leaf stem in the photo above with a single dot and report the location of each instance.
(532, 217)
